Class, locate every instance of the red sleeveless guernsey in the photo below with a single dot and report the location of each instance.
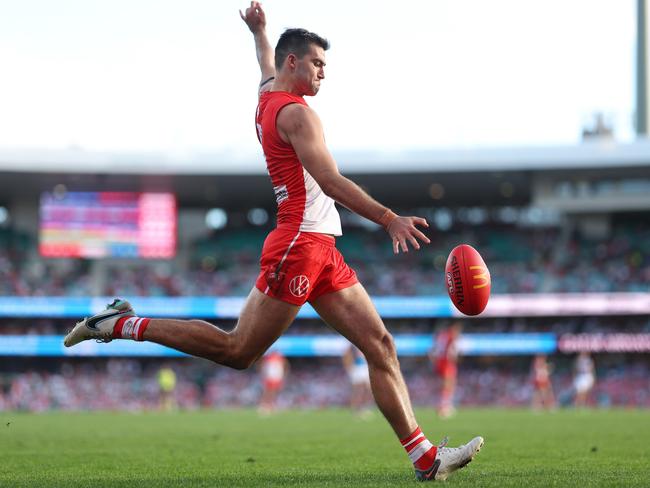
(302, 205)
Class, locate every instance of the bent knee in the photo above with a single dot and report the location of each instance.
(381, 349)
(240, 359)
(240, 363)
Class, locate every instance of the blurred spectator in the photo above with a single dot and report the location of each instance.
(132, 385)
(524, 260)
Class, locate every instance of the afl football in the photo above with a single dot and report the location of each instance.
(467, 280)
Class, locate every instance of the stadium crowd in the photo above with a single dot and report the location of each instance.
(225, 264)
(132, 385)
(521, 260)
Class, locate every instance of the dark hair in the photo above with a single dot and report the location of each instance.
(297, 41)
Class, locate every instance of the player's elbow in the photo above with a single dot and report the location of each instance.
(331, 186)
(327, 188)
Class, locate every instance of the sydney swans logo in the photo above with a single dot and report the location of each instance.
(299, 285)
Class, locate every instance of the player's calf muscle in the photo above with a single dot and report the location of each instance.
(198, 338)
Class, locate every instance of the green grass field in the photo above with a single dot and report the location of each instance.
(316, 448)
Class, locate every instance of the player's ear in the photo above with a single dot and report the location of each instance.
(292, 60)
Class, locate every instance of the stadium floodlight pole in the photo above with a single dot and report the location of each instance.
(642, 85)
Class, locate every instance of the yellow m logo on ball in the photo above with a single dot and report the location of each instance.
(481, 276)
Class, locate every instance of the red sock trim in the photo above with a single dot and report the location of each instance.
(143, 326)
(117, 330)
(427, 459)
(411, 436)
(415, 444)
(409, 443)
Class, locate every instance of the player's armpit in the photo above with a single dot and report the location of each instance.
(266, 85)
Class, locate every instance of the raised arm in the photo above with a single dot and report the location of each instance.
(255, 19)
(301, 127)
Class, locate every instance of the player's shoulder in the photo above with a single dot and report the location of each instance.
(299, 110)
(296, 115)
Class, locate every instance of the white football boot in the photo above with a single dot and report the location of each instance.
(450, 459)
(99, 326)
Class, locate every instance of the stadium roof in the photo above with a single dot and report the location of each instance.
(405, 179)
(598, 154)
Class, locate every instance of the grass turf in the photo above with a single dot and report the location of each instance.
(316, 448)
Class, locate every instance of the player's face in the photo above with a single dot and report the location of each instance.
(310, 70)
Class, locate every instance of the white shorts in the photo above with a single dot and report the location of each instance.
(583, 383)
(359, 374)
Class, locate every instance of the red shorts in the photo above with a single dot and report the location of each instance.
(297, 267)
(541, 384)
(446, 368)
(273, 385)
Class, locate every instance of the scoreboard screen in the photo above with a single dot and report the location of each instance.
(108, 224)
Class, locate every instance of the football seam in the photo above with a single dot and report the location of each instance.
(467, 284)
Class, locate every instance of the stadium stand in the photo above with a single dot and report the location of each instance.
(573, 220)
(225, 264)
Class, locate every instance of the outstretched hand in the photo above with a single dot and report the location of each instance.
(403, 230)
(254, 17)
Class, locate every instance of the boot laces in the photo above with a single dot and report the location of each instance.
(108, 335)
(442, 447)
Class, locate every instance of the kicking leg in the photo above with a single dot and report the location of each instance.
(262, 320)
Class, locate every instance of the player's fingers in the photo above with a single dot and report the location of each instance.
(242, 16)
(414, 242)
(420, 235)
(395, 246)
(420, 221)
(402, 243)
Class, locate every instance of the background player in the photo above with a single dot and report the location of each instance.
(356, 366)
(274, 369)
(167, 386)
(444, 356)
(299, 261)
(543, 396)
(584, 378)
